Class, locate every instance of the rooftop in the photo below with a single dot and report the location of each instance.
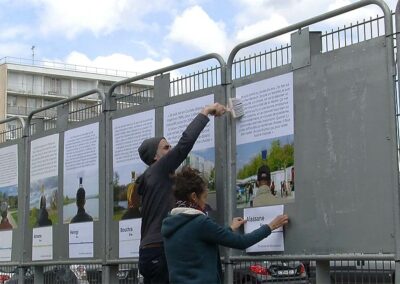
(67, 67)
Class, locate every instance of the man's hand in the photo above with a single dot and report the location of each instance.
(215, 109)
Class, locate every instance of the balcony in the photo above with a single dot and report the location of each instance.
(21, 110)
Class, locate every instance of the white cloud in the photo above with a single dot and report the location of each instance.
(149, 49)
(262, 27)
(117, 61)
(254, 11)
(196, 29)
(19, 31)
(15, 49)
(99, 17)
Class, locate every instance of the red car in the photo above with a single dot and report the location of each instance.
(271, 271)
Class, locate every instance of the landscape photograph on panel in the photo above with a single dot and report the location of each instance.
(9, 187)
(44, 181)
(265, 173)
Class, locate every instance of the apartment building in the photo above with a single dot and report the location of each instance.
(26, 85)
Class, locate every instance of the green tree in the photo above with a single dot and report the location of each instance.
(116, 179)
(279, 157)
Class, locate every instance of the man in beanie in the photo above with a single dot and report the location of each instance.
(155, 188)
(264, 195)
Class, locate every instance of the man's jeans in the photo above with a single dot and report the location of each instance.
(153, 265)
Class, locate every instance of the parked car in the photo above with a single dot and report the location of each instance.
(6, 275)
(63, 274)
(126, 274)
(78, 274)
(129, 276)
(362, 271)
(271, 271)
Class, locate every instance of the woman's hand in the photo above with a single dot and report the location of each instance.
(278, 222)
(237, 222)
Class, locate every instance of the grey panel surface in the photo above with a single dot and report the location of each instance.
(345, 153)
(300, 48)
(345, 145)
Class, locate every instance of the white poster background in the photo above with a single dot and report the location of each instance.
(129, 237)
(44, 157)
(5, 245)
(259, 216)
(178, 116)
(8, 166)
(268, 108)
(81, 240)
(128, 133)
(42, 243)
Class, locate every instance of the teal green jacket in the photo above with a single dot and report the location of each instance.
(191, 242)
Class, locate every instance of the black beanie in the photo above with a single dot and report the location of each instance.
(148, 149)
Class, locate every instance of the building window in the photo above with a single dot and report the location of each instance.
(30, 104)
(11, 101)
(52, 86)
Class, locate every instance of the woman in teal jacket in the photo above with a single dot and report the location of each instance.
(191, 238)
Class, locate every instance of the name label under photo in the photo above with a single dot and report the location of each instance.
(129, 238)
(42, 243)
(261, 216)
(81, 240)
(5, 245)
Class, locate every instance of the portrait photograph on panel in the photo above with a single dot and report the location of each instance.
(265, 172)
(81, 174)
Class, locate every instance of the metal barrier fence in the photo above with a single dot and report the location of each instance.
(239, 270)
(12, 133)
(245, 272)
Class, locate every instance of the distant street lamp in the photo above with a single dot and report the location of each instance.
(33, 54)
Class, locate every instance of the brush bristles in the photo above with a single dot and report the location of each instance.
(236, 107)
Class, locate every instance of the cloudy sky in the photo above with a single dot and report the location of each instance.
(142, 35)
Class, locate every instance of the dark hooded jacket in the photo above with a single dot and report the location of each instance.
(191, 242)
(155, 184)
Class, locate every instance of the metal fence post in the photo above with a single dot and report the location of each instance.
(322, 271)
(21, 275)
(229, 185)
(397, 218)
(109, 274)
(38, 272)
(396, 275)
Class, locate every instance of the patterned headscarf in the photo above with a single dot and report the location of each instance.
(188, 204)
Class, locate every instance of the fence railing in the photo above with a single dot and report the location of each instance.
(352, 34)
(262, 61)
(245, 272)
(134, 99)
(199, 80)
